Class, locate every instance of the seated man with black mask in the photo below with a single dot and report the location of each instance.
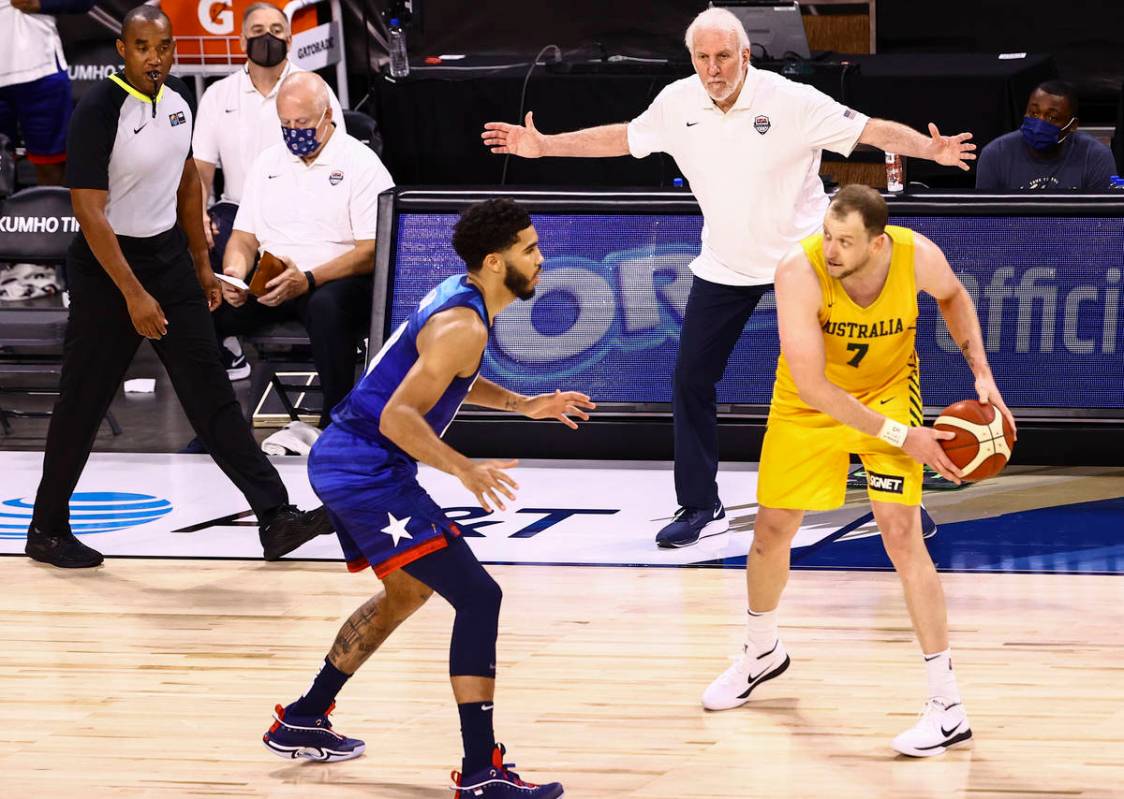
(237, 121)
(1046, 153)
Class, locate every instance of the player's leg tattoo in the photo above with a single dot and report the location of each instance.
(373, 622)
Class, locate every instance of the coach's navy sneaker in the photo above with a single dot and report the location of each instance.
(310, 737)
(61, 549)
(690, 524)
(288, 527)
(499, 782)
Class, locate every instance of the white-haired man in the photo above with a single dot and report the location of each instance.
(749, 142)
(311, 201)
(237, 121)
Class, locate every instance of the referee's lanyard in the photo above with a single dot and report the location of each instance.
(153, 97)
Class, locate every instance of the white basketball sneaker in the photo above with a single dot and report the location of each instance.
(939, 727)
(734, 685)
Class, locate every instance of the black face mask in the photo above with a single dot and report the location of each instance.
(266, 50)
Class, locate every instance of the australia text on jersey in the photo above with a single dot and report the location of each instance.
(883, 327)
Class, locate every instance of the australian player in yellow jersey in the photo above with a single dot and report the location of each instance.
(848, 382)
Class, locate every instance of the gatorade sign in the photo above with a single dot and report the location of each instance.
(207, 31)
(216, 18)
(317, 48)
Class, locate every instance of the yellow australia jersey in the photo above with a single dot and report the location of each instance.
(869, 352)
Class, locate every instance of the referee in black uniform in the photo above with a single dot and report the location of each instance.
(136, 195)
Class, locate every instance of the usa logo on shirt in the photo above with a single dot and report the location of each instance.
(335, 177)
(762, 124)
(177, 118)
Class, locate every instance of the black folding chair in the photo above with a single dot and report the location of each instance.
(275, 345)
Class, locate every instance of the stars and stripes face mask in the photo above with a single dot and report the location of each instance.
(302, 141)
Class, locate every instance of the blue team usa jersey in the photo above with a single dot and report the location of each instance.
(361, 411)
(363, 478)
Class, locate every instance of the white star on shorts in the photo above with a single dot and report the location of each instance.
(397, 528)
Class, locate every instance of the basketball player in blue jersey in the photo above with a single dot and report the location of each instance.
(364, 468)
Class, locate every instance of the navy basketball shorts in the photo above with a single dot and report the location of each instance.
(383, 518)
(40, 111)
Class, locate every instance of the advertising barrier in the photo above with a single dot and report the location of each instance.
(605, 318)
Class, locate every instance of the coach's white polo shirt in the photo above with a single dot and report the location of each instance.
(313, 213)
(754, 170)
(235, 123)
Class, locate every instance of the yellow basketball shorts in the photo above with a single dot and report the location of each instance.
(804, 467)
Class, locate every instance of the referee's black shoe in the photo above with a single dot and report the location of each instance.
(61, 549)
(288, 527)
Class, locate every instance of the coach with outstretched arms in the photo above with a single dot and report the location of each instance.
(749, 142)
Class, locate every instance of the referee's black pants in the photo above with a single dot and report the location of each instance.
(101, 342)
(712, 323)
(337, 316)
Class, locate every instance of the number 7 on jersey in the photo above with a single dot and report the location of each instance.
(860, 351)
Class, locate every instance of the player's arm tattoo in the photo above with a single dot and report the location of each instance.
(512, 402)
(966, 348)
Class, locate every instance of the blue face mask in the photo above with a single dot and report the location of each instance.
(302, 141)
(1042, 135)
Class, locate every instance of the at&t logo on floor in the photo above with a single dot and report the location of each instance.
(90, 512)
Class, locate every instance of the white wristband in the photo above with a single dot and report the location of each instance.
(893, 432)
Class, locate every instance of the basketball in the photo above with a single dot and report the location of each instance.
(984, 439)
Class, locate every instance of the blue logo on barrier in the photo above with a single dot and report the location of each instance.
(90, 512)
(587, 311)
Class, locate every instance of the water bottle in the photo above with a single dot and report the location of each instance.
(894, 173)
(396, 42)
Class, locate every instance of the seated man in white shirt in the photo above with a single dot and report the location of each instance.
(236, 122)
(312, 202)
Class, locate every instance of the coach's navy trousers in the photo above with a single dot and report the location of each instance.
(712, 323)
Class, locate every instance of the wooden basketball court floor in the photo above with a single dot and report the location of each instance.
(157, 678)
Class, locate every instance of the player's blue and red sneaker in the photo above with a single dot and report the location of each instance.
(310, 737)
(499, 782)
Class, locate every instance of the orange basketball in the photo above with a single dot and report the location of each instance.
(984, 438)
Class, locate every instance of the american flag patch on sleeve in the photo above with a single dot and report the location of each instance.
(849, 114)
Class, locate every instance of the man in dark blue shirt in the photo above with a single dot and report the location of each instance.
(1046, 153)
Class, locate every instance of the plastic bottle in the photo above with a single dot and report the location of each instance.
(396, 43)
(894, 173)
